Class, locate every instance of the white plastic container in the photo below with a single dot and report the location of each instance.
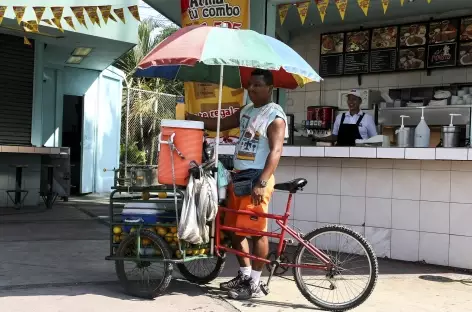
(422, 132)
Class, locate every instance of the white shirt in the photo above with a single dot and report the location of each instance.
(366, 127)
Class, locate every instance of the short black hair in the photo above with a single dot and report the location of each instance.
(266, 74)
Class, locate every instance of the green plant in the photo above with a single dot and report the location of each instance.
(135, 155)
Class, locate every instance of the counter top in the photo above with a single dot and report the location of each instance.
(33, 150)
(370, 152)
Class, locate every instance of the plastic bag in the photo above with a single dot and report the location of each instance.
(189, 229)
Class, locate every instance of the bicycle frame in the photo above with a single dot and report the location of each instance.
(281, 221)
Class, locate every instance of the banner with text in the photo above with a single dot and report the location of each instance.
(202, 98)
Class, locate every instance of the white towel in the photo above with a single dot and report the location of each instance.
(261, 121)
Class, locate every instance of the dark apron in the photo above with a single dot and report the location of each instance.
(349, 133)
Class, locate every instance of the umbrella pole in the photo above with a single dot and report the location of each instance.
(217, 144)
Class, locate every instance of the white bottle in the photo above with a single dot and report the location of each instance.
(422, 132)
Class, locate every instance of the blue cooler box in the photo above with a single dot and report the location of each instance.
(146, 213)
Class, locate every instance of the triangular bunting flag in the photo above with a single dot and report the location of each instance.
(93, 15)
(19, 12)
(342, 6)
(58, 24)
(429, 1)
(322, 5)
(385, 5)
(2, 12)
(26, 41)
(364, 5)
(69, 21)
(31, 26)
(39, 11)
(57, 12)
(47, 21)
(283, 11)
(135, 12)
(112, 17)
(121, 14)
(303, 10)
(402, 2)
(79, 15)
(106, 12)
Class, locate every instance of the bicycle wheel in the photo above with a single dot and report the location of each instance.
(345, 286)
(153, 247)
(202, 271)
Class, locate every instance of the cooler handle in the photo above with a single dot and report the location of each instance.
(140, 220)
(170, 142)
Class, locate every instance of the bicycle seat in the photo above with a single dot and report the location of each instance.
(291, 186)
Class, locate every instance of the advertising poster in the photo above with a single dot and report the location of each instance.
(202, 98)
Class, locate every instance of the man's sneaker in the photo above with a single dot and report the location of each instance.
(247, 290)
(234, 283)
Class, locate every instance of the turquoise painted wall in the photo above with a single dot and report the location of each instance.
(116, 31)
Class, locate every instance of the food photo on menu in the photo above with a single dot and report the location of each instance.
(465, 53)
(442, 31)
(357, 41)
(384, 38)
(466, 29)
(412, 58)
(413, 35)
(332, 43)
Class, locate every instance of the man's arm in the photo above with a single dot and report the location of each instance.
(371, 129)
(227, 123)
(276, 136)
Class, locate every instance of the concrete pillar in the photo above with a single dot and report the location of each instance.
(36, 119)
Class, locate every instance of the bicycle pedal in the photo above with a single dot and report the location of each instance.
(264, 289)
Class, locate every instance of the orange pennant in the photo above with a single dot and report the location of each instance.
(302, 9)
(57, 12)
(31, 26)
(322, 6)
(58, 24)
(92, 13)
(19, 12)
(135, 12)
(364, 5)
(121, 14)
(79, 15)
(47, 21)
(2, 12)
(26, 41)
(283, 11)
(385, 5)
(106, 12)
(39, 11)
(341, 5)
(69, 21)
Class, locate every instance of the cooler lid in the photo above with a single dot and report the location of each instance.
(186, 124)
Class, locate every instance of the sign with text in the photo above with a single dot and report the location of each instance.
(202, 98)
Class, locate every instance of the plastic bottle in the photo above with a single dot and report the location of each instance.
(422, 132)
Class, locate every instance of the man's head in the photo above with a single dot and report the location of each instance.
(354, 101)
(260, 87)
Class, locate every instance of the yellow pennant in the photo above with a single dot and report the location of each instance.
(47, 21)
(26, 41)
(79, 14)
(31, 26)
(135, 12)
(283, 11)
(402, 2)
(69, 21)
(58, 24)
(302, 9)
(57, 12)
(106, 12)
(39, 11)
(19, 12)
(364, 5)
(429, 1)
(322, 6)
(121, 14)
(2, 12)
(93, 15)
(385, 5)
(342, 6)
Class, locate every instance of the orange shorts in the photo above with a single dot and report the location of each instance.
(245, 203)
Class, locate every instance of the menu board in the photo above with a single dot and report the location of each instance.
(356, 63)
(357, 41)
(442, 55)
(383, 38)
(332, 43)
(466, 29)
(331, 65)
(411, 58)
(413, 35)
(442, 31)
(465, 54)
(383, 60)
